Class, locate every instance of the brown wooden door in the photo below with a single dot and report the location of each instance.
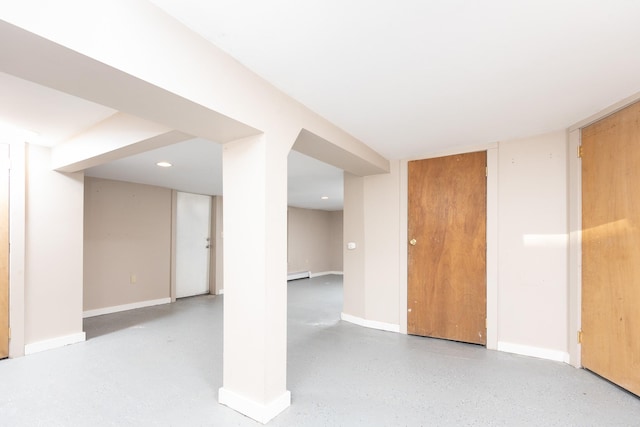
(611, 248)
(4, 251)
(447, 248)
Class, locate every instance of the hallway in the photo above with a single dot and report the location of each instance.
(163, 366)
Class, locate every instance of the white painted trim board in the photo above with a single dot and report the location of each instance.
(541, 353)
(326, 273)
(260, 412)
(58, 342)
(298, 275)
(373, 324)
(125, 307)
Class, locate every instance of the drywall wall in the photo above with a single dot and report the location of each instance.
(336, 252)
(53, 254)
(127, 239)
(372, 270)
(354, 290)
(532, 242)
(217, 263)
(17, 241)
(382, 245)
(313, 238)
(255, 295)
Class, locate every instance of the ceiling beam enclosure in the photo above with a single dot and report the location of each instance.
(116, 137)
(132, 57)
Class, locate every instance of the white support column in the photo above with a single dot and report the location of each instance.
(255, 293)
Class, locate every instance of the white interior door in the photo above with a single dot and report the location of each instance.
(193, 219)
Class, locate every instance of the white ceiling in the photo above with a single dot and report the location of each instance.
(407, 78)
(413, 77)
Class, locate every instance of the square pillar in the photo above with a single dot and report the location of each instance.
(255, 278)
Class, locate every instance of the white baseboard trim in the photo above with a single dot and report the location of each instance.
(542, 353)
(58, 342)
(252, 409)
(298, 275)
(125, 307)
(326, 273)
(373, 324)
(220, 292)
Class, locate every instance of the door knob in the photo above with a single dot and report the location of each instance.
(413, 242)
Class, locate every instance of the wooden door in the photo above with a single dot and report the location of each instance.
(447, 248)
(611, 248)
(4, 251)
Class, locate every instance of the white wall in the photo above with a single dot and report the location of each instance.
(53, 254)
(532, 242)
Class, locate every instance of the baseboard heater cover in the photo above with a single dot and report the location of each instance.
(299, 275)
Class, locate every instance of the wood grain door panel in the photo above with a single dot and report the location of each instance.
(447, 250)
(611, 248)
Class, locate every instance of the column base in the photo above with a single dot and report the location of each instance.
(252, 409)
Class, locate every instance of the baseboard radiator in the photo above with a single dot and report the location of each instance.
(298, 275)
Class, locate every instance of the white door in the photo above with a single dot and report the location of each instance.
(193, 219)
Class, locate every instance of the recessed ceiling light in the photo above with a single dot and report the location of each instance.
(164, 164)
(325, 197)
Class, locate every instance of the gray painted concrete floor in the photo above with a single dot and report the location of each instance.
(162, 366)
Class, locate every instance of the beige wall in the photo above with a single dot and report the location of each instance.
(354, 259)
(532, 241)
(336, 254)
(53, 251)
(372, 269)
(217, 263)
(127, 232)
(382, 245)
(314, 240)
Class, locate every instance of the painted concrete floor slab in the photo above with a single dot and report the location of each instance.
(162, 366)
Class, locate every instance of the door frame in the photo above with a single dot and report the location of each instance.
(216, 286)
(17, 221)
(5, 324)
(575, 224)
(492, 236)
